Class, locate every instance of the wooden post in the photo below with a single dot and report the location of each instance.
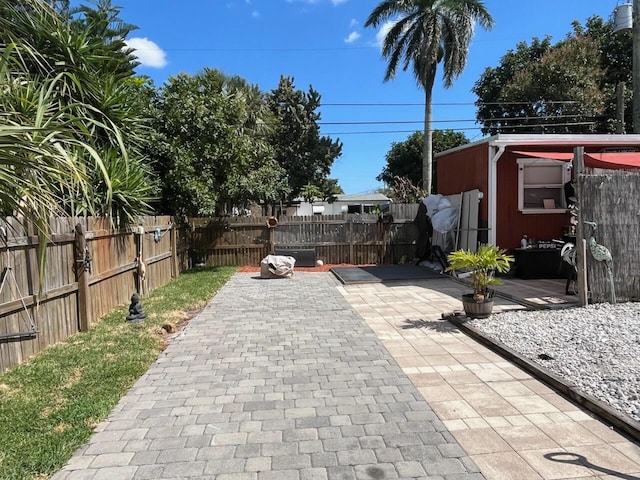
(141, 270)
(82, 277)
(272, 241)
(173, 238)
(350, 240)
(581, 244)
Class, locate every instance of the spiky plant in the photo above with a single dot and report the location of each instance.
(483, 264)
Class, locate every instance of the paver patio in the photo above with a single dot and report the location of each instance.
(304, 378)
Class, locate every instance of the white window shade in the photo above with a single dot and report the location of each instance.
(541, 185)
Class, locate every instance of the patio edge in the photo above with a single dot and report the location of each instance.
(620, 421)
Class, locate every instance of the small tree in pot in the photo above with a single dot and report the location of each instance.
(482, 264)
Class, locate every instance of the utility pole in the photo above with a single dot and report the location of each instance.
(636, 66)
(620, 108)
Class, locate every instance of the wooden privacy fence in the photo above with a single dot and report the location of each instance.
(80, 284)
(347, 238)
(612, 200)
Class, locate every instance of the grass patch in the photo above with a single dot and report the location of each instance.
(50, 405)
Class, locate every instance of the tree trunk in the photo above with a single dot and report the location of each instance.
(427, 149)
(427, 157)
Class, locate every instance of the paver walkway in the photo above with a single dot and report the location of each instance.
(275, 379)
(511, 425)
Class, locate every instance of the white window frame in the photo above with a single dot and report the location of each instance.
(532, 162)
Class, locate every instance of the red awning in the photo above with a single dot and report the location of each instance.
(609, 160)
(566, 156)
(617, 160)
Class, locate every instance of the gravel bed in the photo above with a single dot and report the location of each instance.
(597, 347)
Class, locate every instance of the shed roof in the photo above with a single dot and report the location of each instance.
(550, 140)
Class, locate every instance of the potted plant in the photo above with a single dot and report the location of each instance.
(483, 264)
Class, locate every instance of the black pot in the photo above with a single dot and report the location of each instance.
(477, 308)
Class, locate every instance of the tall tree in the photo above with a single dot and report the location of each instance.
(208, 149)
(300, 150)
(103, 22)
(543, 89)
(404, 159)
(425, 33)
(566, 87)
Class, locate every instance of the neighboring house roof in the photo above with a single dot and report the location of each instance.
(356, 198)
(363, 198)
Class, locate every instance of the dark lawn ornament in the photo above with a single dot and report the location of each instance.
(423, 224)
(568, 255)
(136, 313)
(600, 253)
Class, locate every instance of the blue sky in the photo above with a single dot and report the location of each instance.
(323, 43)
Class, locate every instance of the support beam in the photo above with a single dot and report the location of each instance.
(581, 246)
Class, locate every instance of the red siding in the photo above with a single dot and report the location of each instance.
(465, 170)
(511, 224)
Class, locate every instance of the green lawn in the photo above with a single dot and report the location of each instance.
(50, 405)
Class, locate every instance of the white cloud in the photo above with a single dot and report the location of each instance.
(353, 23)
(382, 33)
(353, 36)
(147, 52)
(255, 14)
(338, 2)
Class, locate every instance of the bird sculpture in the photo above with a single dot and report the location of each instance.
(600, 253)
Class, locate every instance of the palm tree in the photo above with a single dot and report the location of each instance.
(423, 34)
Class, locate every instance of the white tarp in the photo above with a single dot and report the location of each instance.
(277, 266)
(454, 219)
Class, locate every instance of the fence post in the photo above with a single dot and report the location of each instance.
(272, 240)
(350, 239)
(173, 238)
(82, 277)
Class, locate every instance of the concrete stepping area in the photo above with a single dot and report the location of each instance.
(511, 425)
(275, 379)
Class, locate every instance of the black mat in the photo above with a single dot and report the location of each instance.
(383, 273)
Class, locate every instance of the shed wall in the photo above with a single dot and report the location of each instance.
(465, 170)
(512, 224)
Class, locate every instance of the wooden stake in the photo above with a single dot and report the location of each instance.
(82, 277)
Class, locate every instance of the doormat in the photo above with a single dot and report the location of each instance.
(384, 273)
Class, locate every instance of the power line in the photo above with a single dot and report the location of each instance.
(257, 50)
(448, 104)
(537, 126)
(501, 119)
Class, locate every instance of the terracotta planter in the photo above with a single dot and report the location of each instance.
(477, 308)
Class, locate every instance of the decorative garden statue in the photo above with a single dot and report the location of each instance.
(600, 253)
(136, 313)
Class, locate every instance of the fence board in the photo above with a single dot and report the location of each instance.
(357, 239)
(167, 249)
(613, 202)
(112, 280)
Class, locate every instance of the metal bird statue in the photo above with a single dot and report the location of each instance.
(601, 253)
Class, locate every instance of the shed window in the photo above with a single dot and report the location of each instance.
(541, 185)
